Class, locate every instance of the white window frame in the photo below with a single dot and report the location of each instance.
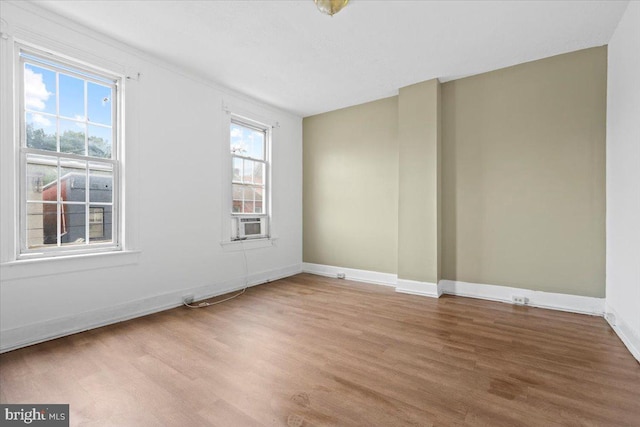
(232, 219)
(85, 71)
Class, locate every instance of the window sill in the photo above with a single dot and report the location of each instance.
(240, 245)
(22, 269)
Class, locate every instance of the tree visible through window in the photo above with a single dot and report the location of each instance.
(69, 159)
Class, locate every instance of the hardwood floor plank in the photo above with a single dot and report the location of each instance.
(316, 351)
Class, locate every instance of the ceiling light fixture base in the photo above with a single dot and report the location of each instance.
(330, 7)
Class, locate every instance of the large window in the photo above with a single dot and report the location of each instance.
(249, 145)
(69, 164)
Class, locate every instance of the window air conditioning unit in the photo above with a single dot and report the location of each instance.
(251, 227)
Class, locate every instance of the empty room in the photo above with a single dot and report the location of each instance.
(319, 213)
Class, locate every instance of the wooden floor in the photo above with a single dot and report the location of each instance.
(309, 350)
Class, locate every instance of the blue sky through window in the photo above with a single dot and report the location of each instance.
(99, 103)
(247, 142)
(40, 96)
(71, 92)
(55, 102)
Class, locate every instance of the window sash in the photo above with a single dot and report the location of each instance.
(56, 158)
(238, 179)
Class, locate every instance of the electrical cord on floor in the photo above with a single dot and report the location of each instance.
(207, 304)
(203, 304)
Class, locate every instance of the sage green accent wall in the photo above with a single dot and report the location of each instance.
(350, 190)
(419, 182)
(522, 189)
(523, 185)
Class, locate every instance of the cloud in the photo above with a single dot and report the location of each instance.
(80, 119)
(235, 133)
(41, 120)
(36, 93)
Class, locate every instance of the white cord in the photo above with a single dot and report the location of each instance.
(207, 304)
(246, 285)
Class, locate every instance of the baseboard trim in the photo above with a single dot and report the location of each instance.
(550, 300)
(624, 332)
(414, 287)
(375, 277)
(35, 333)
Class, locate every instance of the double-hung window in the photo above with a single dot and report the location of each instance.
(69, 157)
(249, 145)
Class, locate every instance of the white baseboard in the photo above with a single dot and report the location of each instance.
(418, 288)
(630, 339)
(43, 331)
(550, 300)
(375, 277)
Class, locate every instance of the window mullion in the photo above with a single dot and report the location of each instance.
(57, 112)
(87, 189)
(67, 156)
(253, 159)
(87, 184)
(58, 206)
(86, 119)
(58, 186)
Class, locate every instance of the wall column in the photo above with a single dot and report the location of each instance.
(419, 188)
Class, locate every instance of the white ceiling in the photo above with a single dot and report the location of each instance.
(288, 54)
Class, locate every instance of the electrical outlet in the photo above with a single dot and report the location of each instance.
(187, 299)
(341, 276)
(519, 300)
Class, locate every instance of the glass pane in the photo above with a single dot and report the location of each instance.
(100, 224)
(238, 146)
(41, 131)
(259, 207)
(100, 141)
(247, 175)
(258, 173)
(237, 198)
(42, 226)
(100, 183)
(99, 103)
(72, 180)
(39, 89)
(72, 225)
(256, 144)
(71, 95)
(237, 169)
(249, 194)
(42, 175)
(72, 137)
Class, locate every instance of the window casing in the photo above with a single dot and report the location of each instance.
(250, 189)
(69, 162)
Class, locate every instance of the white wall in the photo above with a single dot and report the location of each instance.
(174, 195)
(623, 179)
